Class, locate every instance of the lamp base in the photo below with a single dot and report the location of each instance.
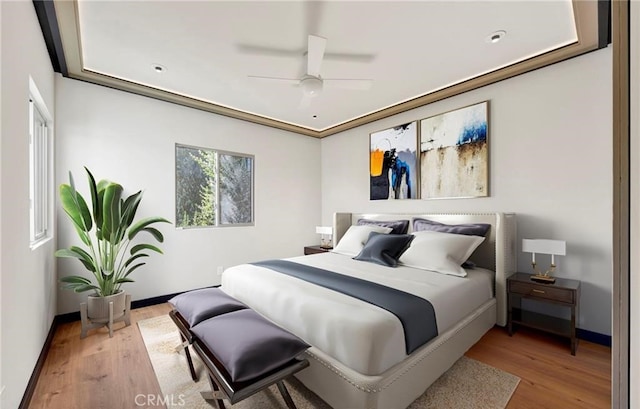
(546, 279)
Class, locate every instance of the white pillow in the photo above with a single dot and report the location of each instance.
(441, 252)
(354, 239)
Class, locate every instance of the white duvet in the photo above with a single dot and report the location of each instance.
(362, 336)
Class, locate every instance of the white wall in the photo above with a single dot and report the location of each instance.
(550, 162)
(28, 277)
(131, 139)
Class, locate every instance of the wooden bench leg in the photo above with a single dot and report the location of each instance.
(285, 395)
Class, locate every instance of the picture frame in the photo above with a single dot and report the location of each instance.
(393, 163)
(454, 153)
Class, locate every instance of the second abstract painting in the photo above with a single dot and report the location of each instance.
(454, 153)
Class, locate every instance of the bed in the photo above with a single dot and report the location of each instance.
(359, 357)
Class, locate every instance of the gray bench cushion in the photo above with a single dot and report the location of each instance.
(198, 305)
(247, 344)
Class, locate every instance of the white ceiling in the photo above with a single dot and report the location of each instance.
(409, 49)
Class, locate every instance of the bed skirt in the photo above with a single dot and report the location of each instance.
(396, 388)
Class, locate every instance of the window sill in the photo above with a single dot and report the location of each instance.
(39, 243)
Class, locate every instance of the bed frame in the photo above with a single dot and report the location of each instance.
(400, 385)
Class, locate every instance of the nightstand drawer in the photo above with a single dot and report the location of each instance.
(543, 291)
(315, 250)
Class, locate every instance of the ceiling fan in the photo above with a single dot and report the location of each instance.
(312, 83)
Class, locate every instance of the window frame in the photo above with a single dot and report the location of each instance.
(218, 203)
(40, 136)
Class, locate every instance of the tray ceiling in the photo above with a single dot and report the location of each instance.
(412, 52)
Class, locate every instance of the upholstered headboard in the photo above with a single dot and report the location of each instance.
(496, 253)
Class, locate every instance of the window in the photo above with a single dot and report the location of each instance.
(213, 188)
(39, 169)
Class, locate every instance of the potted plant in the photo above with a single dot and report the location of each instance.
(107, 230)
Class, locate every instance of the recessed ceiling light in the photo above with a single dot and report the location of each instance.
(495, 36)
(159, 68)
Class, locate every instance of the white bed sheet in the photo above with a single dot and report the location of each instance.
(362, 336)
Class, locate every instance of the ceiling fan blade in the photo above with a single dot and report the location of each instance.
(292, 81)
(305, 101)
(313, 11)
(356, 84)
(315, 54)
(268, 51)
(353, 57)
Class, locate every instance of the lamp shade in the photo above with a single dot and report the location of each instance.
(324, 230)
(556, 247)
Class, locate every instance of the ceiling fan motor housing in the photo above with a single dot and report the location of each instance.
(311, 86)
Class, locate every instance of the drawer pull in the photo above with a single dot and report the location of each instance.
(537, 291)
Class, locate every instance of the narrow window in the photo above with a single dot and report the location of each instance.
(39, 173)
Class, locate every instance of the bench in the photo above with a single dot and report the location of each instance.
(243, 352)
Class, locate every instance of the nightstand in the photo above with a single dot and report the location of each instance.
(315, 249)
(564, 293)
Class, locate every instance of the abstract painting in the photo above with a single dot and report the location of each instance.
(393, 163)
(454, 153)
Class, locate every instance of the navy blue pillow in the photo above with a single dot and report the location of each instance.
(247, 344)
(397, 226)
(468, 229)
(384, 249)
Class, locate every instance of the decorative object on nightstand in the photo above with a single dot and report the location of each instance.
(563, 292)
(553, 247)
(325, 233)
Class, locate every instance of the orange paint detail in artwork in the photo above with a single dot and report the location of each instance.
(377, 158)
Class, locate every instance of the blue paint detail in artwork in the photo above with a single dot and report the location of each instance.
(473, 133)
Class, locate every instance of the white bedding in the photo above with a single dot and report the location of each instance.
(362, 336)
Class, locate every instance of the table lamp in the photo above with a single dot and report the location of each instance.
(553, 247)
(325, 233)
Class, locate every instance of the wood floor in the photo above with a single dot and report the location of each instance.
(99, 372)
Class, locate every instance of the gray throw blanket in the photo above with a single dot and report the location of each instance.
(416, 314)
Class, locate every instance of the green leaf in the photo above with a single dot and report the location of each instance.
(131, 207)
(129, 271)
(133, 258)
(155, 233)
(76, 252)
(83, 288)
(111, 211)
(96, 204)
(76, 208)
(77, 283)
(139, 247)
(136, 228)
(84, 236)
(124, 280)
(75, 280)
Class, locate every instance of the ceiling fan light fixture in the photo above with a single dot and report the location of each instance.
(311, 86)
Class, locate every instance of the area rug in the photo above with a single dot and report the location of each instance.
(468, 384)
